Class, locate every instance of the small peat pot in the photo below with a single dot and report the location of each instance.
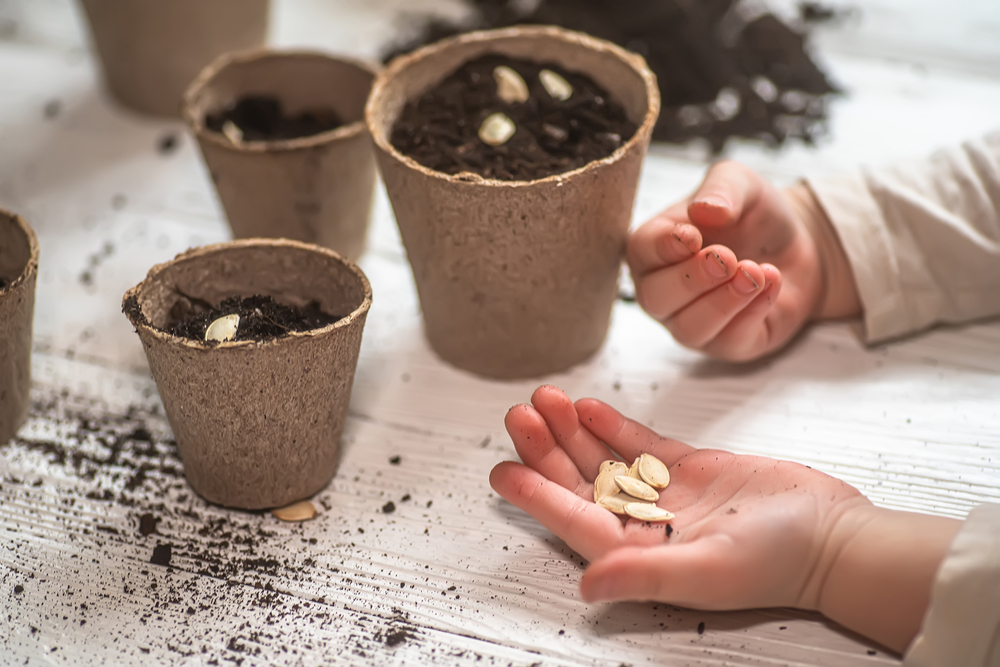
(284, 138)
(18, 273)
(258, 422)
(150, 51)
(515, 216)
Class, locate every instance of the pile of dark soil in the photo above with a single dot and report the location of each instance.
(261, 118)
(725, 68)
(440, 130)
(261, 318)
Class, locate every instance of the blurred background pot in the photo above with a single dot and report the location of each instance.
(18, 273)
(151, 50)
(258, 424)
(516, 278)
(316, 189)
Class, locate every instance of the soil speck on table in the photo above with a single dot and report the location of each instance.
(167, 144)
(161, 555)
(389, 507)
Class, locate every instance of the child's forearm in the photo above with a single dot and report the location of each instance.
(839, 297)
(880, 568)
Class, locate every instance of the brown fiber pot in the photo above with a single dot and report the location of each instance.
(19, 271)
(316, 189)
(516, 279)
(258, 424)
(150, 50)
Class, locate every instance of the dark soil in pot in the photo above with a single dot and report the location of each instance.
(262, 118)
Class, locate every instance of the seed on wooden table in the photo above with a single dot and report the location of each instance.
(511, 88)
(647, 512)
(615, 502)
(300, 511)
(637, 488)
(496, 129)
(653, 471)
(223, 329)
(232, 132)
(556, 86)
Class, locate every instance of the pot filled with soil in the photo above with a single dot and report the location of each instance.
(18, 273)
(150, 51)
(511, 158)
(284, 138)
(253, 346)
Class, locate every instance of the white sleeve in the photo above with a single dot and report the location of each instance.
(922, 239)
(962, 624)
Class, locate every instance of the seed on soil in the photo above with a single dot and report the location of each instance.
(556, 86)
(555, 132)
(647, 512)
(300, 511)
(637, 488)
(223, 329)
(511, 88)
(496, 129)
(232, 132)
(653, 472)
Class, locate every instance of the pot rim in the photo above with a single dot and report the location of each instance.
(31, 266)
(274, 243)
(400, 63)
(196, 122)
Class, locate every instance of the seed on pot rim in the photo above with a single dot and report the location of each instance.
(556, 86)
(511, 88)
(637, 488)
(647, 512)
(300, 511)
(223, 329)
(496, 129)
(653, 471)
(232, 132)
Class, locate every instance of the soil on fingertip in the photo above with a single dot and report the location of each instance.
(440, 130)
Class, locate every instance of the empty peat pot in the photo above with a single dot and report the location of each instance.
(18, 273)
(151, 50)
(317, 188)
(258, 424)
(516, 279)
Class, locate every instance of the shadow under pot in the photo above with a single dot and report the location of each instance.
(515, 242)
(283, 135)
(258, 422)
(150, 51)
(18, 274)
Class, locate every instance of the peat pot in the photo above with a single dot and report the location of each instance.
(316, 189)
(150, 50)
(258, 424)
(516, 279)
(18, 272)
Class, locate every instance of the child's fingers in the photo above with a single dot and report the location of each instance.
(728, 191)
(627, 437)
(664, 240)
(539, 450)
(748, 335)
(700, 322)
(588, 529)
(586, 451)
(691, 574)
(664, 292)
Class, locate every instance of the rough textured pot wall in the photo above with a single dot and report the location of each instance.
(314, 189)
(516, 279)
(257, 424)
(151, 50)
(19, 270)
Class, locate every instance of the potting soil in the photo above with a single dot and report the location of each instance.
(261, 318)
(440, 130)
(261, 118)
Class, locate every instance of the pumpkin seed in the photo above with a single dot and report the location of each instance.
(653, 471)
(637, 488)
(223, 329)
(232, 132)
(556, 86)
(511, 88)
(497, 129)
(614, 465)
(633, 470)
(605, 485)
(616, 502)
(647, 512)
(300, 511)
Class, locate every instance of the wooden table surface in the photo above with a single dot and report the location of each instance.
(454, 575)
